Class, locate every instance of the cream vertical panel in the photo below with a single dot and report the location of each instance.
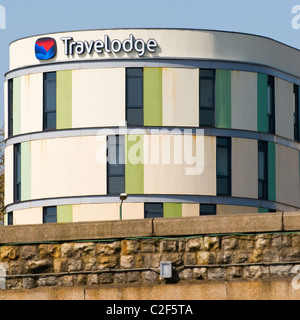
(68, 167)
(28, 216)
(132, 211)
(284, 116)
(98, 97)
(287, 176)
(180, 89)
(172, 178)
(95, 212)
(244, 100)
(9, 174)
(32, 103)
(244, 168)
(190, 210)
(5, 109)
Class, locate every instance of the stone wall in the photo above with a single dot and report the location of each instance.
(121, 253)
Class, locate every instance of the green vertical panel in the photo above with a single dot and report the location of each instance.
(262, 210)
(152, 96)
(134, 166)
(65, 213)
(16, 106)
(271, 171)
(223, 98)
(64, 99)
(172, 210)
(25, 171)
(262, 103)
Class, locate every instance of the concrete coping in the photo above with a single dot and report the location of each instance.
(157, 227)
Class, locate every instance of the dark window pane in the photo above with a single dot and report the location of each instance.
(271, 104)
(262, 170)
(134, 96)
(134, 72)
(223, 187)
(207, 73)
(222, 162)
(207, 209)
(296, 113)
(223, 166)
(116, 151)
(153, 210)
(17, 172)
(10, 218)
(10, 107)
(115, 170)
(116, 185)
(49, 214)
(207, 97)
(135, 117)
(261, 165)
(50, 97)
(115, 165)
(51, 120)
(134, 92)
(50, 76)
(260, 189)
(206, 93)
(49, 100)
(207, 117)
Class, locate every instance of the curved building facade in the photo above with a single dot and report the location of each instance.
(185, 122)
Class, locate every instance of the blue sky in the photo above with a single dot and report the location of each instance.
(270, 18)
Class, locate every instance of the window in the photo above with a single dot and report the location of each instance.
(262, 170)
(17, 172)
(271, 104)
(10, 220)
(49, 101)
(207, 97)
(296, 113)
(115, 165)
(134, 97)
(50, 214)
(153, 210)
(10, 107)
(207, 209)
(223, 166)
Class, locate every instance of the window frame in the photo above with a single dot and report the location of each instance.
(296, 113)
(110, 166)
(271, 104)
(128, 107)
(263, 146)
(10, 101)
(45, 214)
(203, 108)
(10, 218)
(153, 212)
(204, 212)
(17, 172)
(46, 112)
(229, 166)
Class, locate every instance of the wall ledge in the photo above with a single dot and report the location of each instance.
(238, 223)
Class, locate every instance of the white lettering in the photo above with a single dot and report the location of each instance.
(66, 42)
(108, 46)
(89, 47)
(295, 20)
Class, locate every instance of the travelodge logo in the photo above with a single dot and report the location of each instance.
(45, 48)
